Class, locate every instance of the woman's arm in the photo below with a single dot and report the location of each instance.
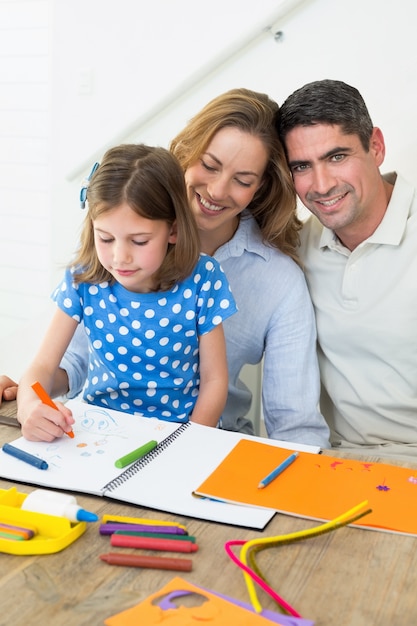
(213, 378)
(291, 379)
(40, 422)
(74, 364)
(8, 387)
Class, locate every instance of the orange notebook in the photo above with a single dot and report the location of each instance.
(316, 486)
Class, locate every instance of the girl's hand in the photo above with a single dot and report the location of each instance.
(43, 423)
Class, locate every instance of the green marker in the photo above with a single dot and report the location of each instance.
(137, 454)
(136, 533)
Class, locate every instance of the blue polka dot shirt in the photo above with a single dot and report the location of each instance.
(143, 347)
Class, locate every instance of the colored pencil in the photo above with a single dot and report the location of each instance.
(278, 470)
(150, 543)
(152, 562)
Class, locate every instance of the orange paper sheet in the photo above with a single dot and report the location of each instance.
(317, 486)
(206, 608)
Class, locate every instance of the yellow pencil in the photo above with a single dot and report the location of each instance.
(137, 520)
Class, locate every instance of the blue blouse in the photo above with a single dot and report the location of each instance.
(144, 347)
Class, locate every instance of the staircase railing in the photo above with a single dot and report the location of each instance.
(128, 133)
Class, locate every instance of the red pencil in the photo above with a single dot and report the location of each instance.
(46, 399)
(152, 543)
(151, 562)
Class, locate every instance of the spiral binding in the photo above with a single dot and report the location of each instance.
(145, 460)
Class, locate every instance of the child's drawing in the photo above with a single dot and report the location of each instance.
(99, 422)
(102, 432)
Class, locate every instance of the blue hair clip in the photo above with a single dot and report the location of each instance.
(84, 186)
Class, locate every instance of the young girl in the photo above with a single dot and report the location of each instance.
(152, 306)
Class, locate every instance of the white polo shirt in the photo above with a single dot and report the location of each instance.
(366, 311)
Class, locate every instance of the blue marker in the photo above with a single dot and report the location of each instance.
(25, 456)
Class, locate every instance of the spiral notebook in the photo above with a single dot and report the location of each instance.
(164, 479)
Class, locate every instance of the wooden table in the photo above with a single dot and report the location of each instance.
(350, 577)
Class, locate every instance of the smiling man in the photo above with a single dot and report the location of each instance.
(359, 250)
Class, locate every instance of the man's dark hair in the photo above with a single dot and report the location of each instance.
(326, 102)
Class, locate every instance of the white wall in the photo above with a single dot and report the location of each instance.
(135, 64)
(145, 61)
(24, 160)
(113, 62)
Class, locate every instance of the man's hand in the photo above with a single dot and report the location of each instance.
(8, 388)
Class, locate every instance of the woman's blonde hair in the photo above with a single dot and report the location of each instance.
(151, 181)
(274, 204)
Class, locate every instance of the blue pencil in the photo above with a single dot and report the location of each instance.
(278, 470)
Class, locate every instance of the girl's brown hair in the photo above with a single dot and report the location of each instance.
(151, 181)
(274, 204)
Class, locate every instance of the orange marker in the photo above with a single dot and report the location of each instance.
(46, 399)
